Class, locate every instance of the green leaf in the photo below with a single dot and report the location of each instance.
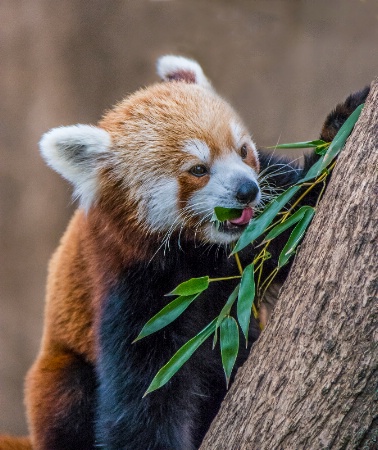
(322, 149)
(257, 227)
(226, 311)
(192, 286)
(281, 227)
(305, 144)
(229, 344)
(180, 358)
(245, 300)
(166, 315)
(314, 171)
(222, 214)
(342, 135)
(334, 149)
(295, 237)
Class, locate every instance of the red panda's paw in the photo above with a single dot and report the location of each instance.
(339, 115)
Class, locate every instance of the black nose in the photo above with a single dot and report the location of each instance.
(247, 192)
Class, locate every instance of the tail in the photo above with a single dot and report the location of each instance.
(15, 443)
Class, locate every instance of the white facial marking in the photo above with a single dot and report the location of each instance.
(240, 136)
(225, 177)
(73, 152)
(237, 133)
(199, 149)
(161, 203)
(232, 166)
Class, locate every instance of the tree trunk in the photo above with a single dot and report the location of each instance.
(311, 380)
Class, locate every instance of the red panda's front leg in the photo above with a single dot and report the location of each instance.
(175, 416)
(60, 394)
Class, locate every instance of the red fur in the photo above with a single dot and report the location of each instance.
(12, 443)
(113, 235)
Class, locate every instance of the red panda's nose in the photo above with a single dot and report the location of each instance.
(247, 192)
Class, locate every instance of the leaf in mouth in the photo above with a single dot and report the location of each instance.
(222, 214)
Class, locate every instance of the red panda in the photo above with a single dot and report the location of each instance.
(147, 179)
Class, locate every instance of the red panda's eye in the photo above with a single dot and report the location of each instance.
(199, 170)
(243, 151)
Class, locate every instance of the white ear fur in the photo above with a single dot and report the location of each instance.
(178, 68)
(74, 153)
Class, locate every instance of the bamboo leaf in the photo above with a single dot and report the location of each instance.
(180, 358)
(312, 173)
(225, 311)
(166, 315)
(305, 144)
(229, 344)
(192, 286)
(257, 227)
(322, 149)
(245, 300)
(342, 135)
(281, 227)
(334, 149)
(221, 214)
(295, 237)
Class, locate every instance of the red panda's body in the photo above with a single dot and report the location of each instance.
(148, 180)
(140, 181)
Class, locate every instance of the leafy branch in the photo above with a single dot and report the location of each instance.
(271, 222)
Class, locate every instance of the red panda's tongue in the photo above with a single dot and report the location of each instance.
(246, 216)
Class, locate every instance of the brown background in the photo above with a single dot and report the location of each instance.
(282, 63)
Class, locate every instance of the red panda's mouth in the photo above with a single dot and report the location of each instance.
(245, 217)
(238, 224)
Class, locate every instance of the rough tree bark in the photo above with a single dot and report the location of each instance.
(311, 380)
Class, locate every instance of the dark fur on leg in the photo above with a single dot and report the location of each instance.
(64, 410)
(176, 416)
(339, 115)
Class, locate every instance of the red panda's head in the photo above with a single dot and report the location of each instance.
(164, 157)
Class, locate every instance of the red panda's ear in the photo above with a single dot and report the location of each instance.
(178, 68)
(76, 152)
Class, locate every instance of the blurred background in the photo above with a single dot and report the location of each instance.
(283, 64)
